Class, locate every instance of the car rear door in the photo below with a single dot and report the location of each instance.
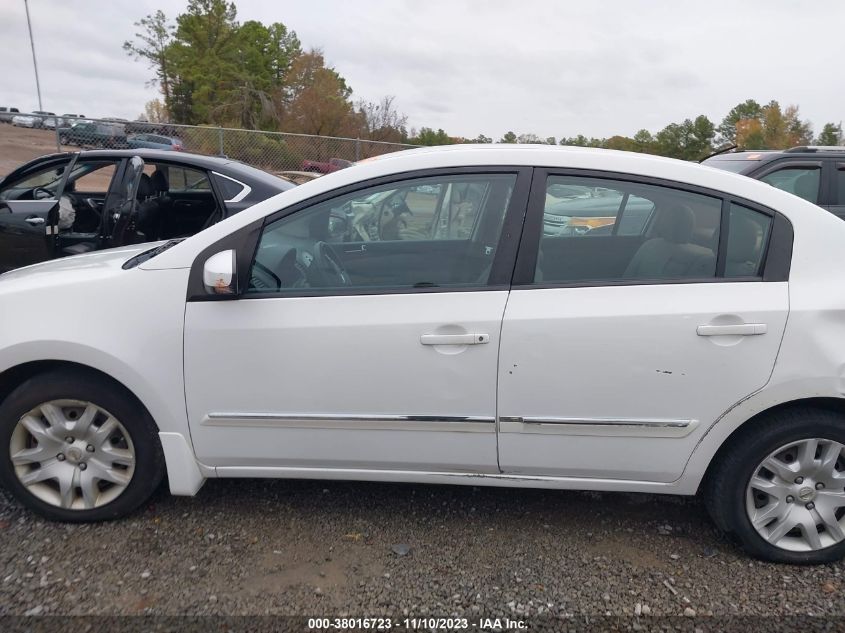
(29, 211)
(614, 363)
(192, 203)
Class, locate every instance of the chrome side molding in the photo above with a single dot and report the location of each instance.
(458, 424)
(633, 427)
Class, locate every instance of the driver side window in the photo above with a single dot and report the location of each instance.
(38, 185)
(422, 233)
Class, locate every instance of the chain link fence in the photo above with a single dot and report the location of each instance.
(276, 152)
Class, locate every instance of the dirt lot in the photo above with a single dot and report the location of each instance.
(332, 548)
(19, 145)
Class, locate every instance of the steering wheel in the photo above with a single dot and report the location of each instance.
(262, 278)
(46, 194)
(327, 263)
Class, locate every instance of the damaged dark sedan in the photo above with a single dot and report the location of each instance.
(73, 203)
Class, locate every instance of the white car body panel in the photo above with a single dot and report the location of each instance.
(623, 365)
(129, 325)
(99, 323)
(331, 379)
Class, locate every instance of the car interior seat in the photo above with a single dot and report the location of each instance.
(145, 190)
(152, 206)
(670, 253)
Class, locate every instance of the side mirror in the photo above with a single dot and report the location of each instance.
(219, 274)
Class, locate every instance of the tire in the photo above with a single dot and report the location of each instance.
(127, 454)
(781, 436)
(63, 140)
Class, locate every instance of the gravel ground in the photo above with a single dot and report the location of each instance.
(335, 548)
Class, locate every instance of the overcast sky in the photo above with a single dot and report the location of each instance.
(549, 67)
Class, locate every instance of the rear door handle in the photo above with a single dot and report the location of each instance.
(740, 329)
(35, 221)
(473, 338)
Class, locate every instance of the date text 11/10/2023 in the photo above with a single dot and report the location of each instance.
(421, 623)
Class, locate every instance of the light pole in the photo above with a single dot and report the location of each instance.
(32, 45)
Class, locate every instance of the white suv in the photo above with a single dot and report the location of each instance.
(692, 339)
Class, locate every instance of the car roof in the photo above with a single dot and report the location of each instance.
(765, 155)
(227, 166)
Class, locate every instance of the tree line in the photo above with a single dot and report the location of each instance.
(747, 126)
(212, 69)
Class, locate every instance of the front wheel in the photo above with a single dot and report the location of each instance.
(780, 487)
(78, 448)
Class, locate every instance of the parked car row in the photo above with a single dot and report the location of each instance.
(33, 120)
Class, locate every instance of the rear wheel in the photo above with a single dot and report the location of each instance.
(78, 448)
(780, 487)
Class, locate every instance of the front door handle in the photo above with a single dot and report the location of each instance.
(35, 221)
(739, 329)
(455, 339)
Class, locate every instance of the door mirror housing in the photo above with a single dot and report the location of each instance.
(219, 274)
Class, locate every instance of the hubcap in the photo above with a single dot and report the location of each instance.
(72, 454)
(795, 498)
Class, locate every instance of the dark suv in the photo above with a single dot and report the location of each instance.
(815, 173)
(94, 134)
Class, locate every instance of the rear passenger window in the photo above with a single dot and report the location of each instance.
(801, 181)
(604, 230)
(748, 235)
(840, 187)
(184, 179)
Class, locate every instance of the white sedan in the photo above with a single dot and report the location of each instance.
(690, 339)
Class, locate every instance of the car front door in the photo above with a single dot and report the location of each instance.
(121, 205)
(621, 344)
(321, 363)
(29, 212)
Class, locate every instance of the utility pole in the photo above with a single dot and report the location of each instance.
(32, 45)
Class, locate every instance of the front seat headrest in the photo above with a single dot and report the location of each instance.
(145, 188)
(159, 182)
(675, 224)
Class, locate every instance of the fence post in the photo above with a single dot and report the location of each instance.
(58, 143)
(357, 149)
(220, 134)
